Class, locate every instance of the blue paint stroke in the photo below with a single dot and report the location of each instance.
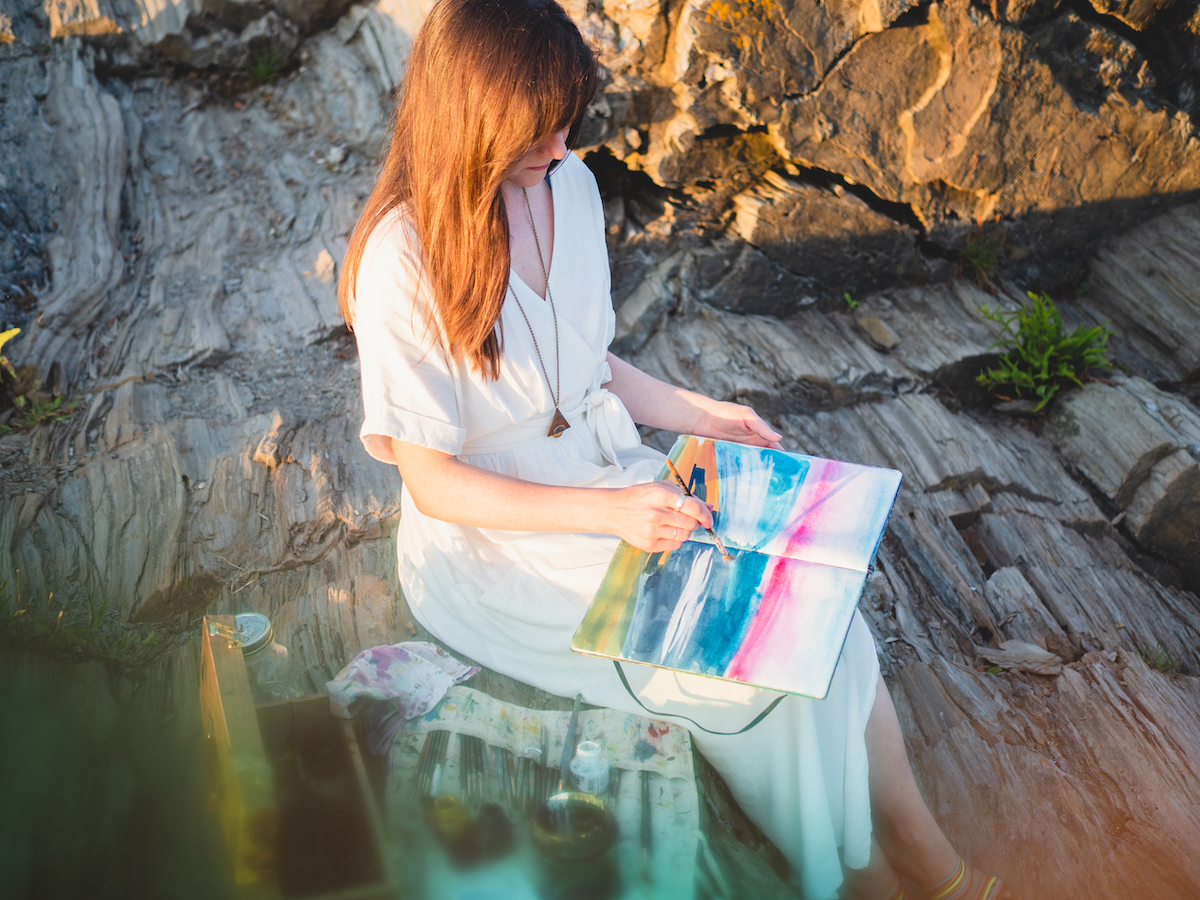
(687, 609)
(720, 638)
(658, 589)
(693, 613)
(733, 596)
(758, 488)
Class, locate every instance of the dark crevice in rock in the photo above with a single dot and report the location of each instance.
(1155, 44)
(728, 131)
(1189, 389)
(911, 18)
(958, 381)
(807, 396)
(989, 483)
(1112, 526)
(901, 213)
(615, 179)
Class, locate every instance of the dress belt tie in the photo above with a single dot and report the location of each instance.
(611, 424)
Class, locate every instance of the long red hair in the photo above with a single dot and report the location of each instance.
(486, 81)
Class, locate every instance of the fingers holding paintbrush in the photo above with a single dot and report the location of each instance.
(725, 555)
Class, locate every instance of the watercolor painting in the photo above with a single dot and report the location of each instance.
(803, 532)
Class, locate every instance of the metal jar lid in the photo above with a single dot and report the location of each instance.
(255, 631)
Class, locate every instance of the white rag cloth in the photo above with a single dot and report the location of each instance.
(405, 680)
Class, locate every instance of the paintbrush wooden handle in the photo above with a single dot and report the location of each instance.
(712, 534)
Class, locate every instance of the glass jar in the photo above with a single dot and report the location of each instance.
(589, 768)
(271, 675)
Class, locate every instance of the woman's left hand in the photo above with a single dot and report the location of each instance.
(734, 422)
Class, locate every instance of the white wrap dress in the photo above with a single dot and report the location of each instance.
(512, 600)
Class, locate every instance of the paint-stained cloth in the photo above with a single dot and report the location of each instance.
(402, 681)
(512, 600)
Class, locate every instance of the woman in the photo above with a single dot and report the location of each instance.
(477, 283)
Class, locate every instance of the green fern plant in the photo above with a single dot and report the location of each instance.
(1041, 358)
(981, 256)
(29, 408)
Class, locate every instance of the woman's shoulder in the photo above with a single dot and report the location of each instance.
(389, 270)
(392, 239)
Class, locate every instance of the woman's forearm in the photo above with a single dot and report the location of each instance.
(444, 487)
(653, 402)
(654, 516)
(661, 405)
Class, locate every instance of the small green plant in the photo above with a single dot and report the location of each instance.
(18, 391)
(850, 301)
(1041, 358)
(1158, 657)
(264, 68)
(981, 260)
(34, 412)
(91, 633)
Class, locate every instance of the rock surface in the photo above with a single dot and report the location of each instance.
(1140, 447)
(928, 121)
(174, 250)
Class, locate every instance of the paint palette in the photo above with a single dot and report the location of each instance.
(803, 532)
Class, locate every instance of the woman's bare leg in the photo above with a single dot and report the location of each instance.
(872, 882)
(904, 827)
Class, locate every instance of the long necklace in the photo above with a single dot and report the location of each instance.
(559, 423)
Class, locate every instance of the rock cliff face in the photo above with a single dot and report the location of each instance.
(171, 240)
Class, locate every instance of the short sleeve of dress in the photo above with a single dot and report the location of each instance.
(409, 388)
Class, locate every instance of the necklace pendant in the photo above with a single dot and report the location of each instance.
(558, 424)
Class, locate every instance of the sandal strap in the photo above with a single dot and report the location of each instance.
(966, 883)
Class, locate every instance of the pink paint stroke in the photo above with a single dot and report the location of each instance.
(771, 637)
(823, 479)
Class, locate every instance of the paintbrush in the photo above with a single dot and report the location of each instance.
(712, 534)
(647, 830)
(569, 743)
(543, 772)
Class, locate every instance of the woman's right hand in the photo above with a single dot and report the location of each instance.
(656, 516)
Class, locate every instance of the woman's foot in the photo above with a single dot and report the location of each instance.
(966, 883)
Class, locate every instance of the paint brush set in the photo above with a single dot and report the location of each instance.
(497, 770)
(766, 597)
(430, 764)
(485, 774)
(519, 784)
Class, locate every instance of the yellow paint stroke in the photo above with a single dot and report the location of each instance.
(607, 621)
